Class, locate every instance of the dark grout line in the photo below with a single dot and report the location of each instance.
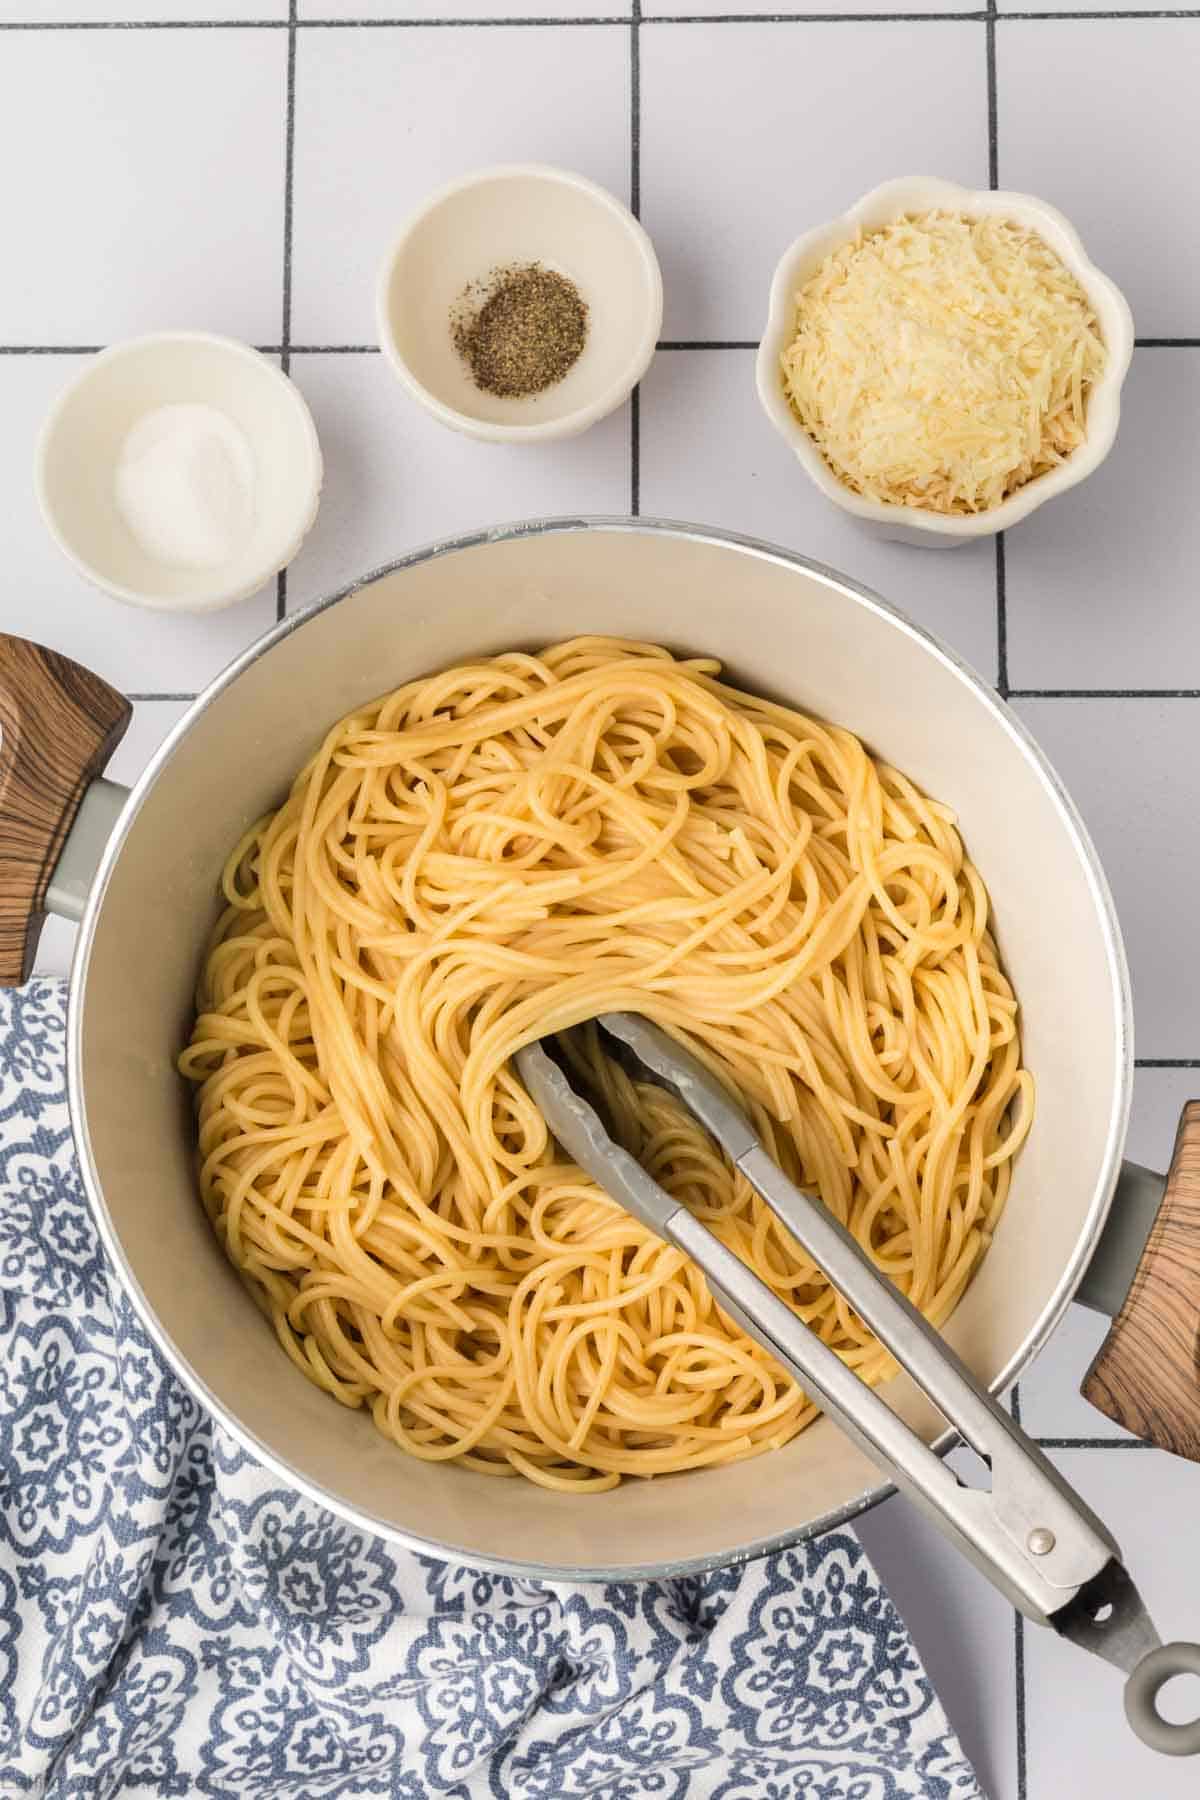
(373, 349)
(95, 349)
(992, 110)
(289, 168)
(1104, 694)
(635, 452)
(290, 349)
(1019, 1686)
(290, 23)
(142, 24)
(635, 207)
(567, 24)
(814, 18)
(635, 111)
(289, 184)
(1113, 13)
(1014, 1404)
(1001, 621)
(1096, 1443)
(1166, 1062)
(157, 696)
(49, 349)
(511, 19)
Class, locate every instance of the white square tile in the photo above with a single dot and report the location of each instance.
(384, 116)
(43, 597)
(1050, 1401)
(1130, 765)
(1051, 1404)
(144, 184)
(1100, 118)
(963, 1630)
(1101, 583)
(709, 455)
(1159, 1096)
(750, 134)
(151, 721)
(1079, 1743)
(395, 478)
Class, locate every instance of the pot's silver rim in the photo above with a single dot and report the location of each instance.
(1122, 1047)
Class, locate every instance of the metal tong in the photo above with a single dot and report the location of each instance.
(1031, 1534)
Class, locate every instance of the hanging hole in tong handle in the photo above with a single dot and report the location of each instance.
(1142, 1689)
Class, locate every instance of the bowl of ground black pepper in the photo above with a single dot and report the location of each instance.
(520, 303)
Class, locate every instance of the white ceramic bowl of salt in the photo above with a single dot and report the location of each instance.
(179, 471)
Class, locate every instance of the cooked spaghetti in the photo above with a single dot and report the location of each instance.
(503, 851)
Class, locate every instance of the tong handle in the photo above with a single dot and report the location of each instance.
(893, 1319)
(976, 1521)
(1146, 1681)
(1026, 1486)
(1031, 1536)
(1031, 1533)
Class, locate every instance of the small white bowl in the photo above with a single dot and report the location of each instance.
(513, 214)
(921, 193)
(77, 454)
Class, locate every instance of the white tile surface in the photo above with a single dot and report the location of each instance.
(395, 478)
(1050, 1401)
(42, 596)
(150, 189)
(1101, 121)
(1091, 602)
(151, 193)
(151, 721)
(723, 199)
(708, 454)
(1079, 578)
(1051, 1404)
(965, 1631)
(1078, 1741)
(1130, 766)
(383, 116)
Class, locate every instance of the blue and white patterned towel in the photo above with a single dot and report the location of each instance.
(173, 1623)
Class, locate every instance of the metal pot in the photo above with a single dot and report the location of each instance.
(139, 871)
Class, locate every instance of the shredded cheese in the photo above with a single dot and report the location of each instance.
(943, 362)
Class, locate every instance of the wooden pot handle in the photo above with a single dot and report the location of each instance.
(1147, 1373)
(59, 725)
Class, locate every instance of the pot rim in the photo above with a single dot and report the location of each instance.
(986, 696)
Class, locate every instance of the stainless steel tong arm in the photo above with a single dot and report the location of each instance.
(1030, 1534)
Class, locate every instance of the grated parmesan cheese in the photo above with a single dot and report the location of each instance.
(943, 362)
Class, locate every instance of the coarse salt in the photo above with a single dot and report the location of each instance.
(185, 486)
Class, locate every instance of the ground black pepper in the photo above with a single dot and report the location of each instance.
(526, 333)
